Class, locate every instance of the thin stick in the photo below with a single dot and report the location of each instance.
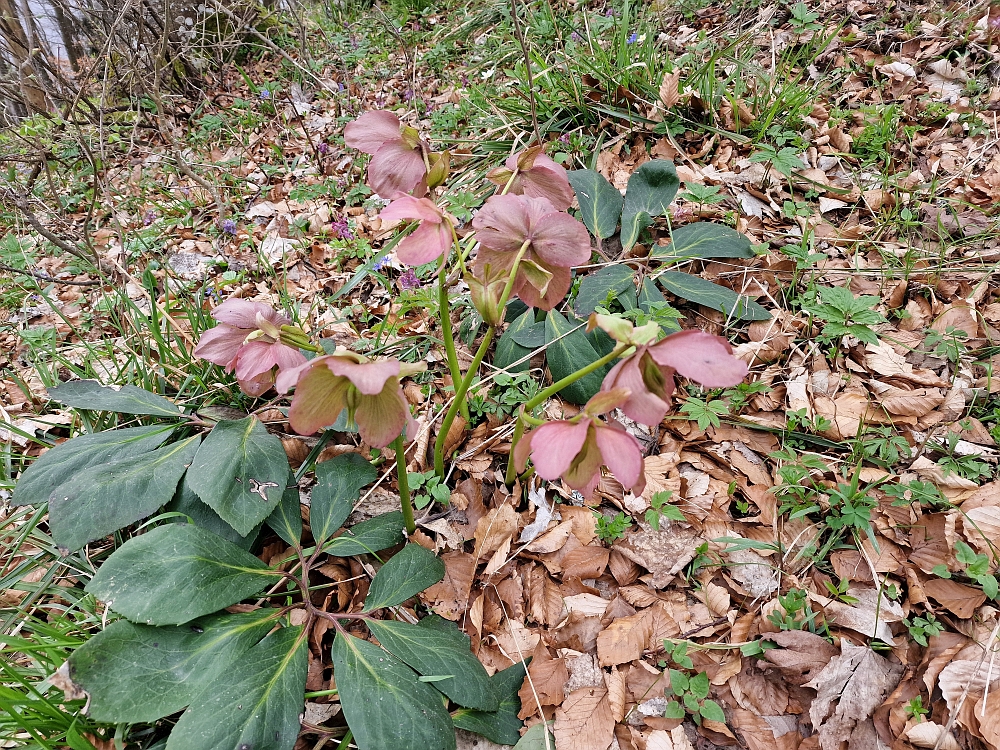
(44, 277)
(527, 64)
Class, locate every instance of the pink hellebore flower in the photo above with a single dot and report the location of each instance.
(370, 392)
(555, 243)
(648, 374)
(397, 164)
(536, 176)
(248, 341)
(576, 449)
(431, 238)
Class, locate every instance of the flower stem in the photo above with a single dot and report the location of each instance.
(547, 393)
(404, 485)
(446, 334)
(462, 388)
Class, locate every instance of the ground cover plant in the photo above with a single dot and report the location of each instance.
(516, 374)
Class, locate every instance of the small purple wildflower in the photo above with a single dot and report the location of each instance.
(409, 280)
(408, 95)
(381, 263)
(575, 37)
(323, 147)
(342, 229)
(564, 138)
(633, 37)
(265, 94)
(149, 218)
(610, 13)
(465, 80)
(229, 227)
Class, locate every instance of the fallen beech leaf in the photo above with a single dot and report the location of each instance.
(543, 684)
(928, 734)
(675, 739)
(669, 93)
(870, 614)
(449, 597)
(584, 721)
(494, 529)
(802, 655)
(617, 694)
(963, 683)
(663, 553)
(545, 601)
(625, 639)
(588, 605)
(958, 598)
(553, 539)
(859, 680)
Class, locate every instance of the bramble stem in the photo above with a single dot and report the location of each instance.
(547, 393)
(463, 387)
(446, 334)
(404, 486)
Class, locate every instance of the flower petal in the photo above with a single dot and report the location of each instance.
(642, 405)
(622, 454)
(368, 377)
(242, 313)
(220, 344)
(558, 286)
(586, 467)
(701, 357)
(555, 445)
(395, 168)
(259, 385)
(503, 223)
(548, 180)
(408, 207)
(289, 376)
(382, 417)
(428, 242)
(561, 240)
(372, 130)
(320, 396)
(254, 358)
(287, 357)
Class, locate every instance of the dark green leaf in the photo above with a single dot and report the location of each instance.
(368, 536)
(600, 202)
(127, 399)
(256, 706)
(435, 652)
(143, 673)
(240, 472)
(337, 484)
(568, 354)
(63, 463)
(385, 705)
(104, 498)
(712, 711)
(501, 726)
(535, 739)
(696, 289)
(650, 190)
(648, 295)
(703, 239)
(176, 572)
(188, 503)
(532, 337)
(508, 350)
(699, 686)
(286, 518)
(406, 574)
(598, 286)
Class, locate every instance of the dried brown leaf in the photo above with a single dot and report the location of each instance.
(493, 529)
(625, 639)
(449, 597)
(584, 721)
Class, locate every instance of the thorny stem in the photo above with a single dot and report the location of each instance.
(446, 334)
(547, 393)
(404, 485)
(463, 387)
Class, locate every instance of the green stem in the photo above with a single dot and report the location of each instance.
(547, 393)
(404, 485)
(446, 334)
(462, 388)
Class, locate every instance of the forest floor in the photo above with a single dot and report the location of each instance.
(820, 542)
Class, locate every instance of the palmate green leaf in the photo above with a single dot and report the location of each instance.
(63, 463)
(433, 651)
(650, 190)
(600, 202)
(256, 705)
(385, 704)
(338, 482)
(406, 574)
(696, 289)
(286, 518)
(508, 350)
(501, 726)
(188, 503)
(596, 287)
(240, 472)
(568, 354)
(127, 399)
(104, 498)
(703, 239)
(142, 673)
(175, 573)
(368, 536)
